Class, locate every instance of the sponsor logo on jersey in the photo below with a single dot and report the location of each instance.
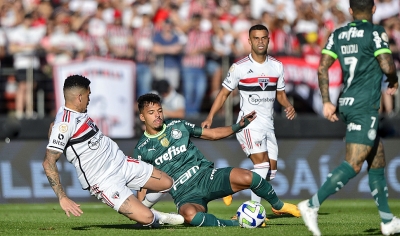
(58, 142)
(63, 128)
(187, 175)
(372, 134)
(60, 136)
(171, 153)
(385, 37)
(353, 32)
(232, 68)
(144, 143)
(151, 149)
(254, 99)
(258, 143)
(263, 82)
(212, 174)
(94, 143)
(250, 71)
(352, 126)
(189, 124)
(347, 101)
(176, 133)
(164, 142)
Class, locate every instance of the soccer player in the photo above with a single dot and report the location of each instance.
(101, 166)
(363, 51)
(167, 145)
(260, 80)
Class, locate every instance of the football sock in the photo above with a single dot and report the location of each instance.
(264, 189)
(151, 198)
(262, 170)
(335, 181)
(205, 219)
(379, 191)
(155, 219)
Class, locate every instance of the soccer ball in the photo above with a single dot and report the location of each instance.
(251, 214)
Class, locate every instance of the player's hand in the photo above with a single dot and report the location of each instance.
(207, 123)
(329, 112)
(391, 90)
(70, 206)
(249, 117)
(290, 113)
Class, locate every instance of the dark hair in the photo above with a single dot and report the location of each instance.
(76, 81)
(146, 99)
(258, 27)
(161, 86)
(361, 5)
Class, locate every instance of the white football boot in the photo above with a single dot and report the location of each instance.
(168, 218)
(310, 217)
(391, 227)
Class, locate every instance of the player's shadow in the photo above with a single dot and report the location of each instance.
(129, 226)
(273, 216)
(375, 231)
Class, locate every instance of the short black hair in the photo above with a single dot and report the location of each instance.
(361, 5)
(258, 27)
(76, 81)
(146, 99)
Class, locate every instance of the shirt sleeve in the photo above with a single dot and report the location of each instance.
(380, 41)
(232, 78)
(330, 47)
(281, 80)
(195, 131)
(61, 132)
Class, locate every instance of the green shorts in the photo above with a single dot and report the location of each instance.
(361, 127)
(212, 185)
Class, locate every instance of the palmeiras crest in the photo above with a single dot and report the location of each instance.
(263, 82)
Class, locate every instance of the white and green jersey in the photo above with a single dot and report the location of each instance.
(172, 151)
(356, 45)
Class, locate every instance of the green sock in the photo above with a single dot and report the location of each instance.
(335, 181)
(264, 189)
(379, 191)
(205, 219)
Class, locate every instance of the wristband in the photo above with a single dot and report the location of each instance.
(236, 127)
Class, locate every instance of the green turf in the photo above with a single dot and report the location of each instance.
(336, 217)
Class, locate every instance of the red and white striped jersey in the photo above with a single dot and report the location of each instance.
(94, 155)
(257, 84)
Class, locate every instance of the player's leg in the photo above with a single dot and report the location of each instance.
(241, 179)
(377, 183)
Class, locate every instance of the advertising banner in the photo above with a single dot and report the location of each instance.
(112, 86)
(303, 166)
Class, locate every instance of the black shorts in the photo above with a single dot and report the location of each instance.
(21, 74)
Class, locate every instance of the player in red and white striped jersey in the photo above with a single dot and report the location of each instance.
(260, 80)
(102, 168)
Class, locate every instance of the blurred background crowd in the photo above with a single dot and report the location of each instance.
(182, 49)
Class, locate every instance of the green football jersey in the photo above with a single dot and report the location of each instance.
(356, 45)
(172, 151)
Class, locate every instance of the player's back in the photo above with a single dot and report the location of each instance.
(356, 45)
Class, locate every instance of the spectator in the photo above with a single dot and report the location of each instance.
(97, 28)
(143, 45)
(23, 44)
(173, 103)
(167, 48)
(91, 46)
(119, 39)
(193, 63)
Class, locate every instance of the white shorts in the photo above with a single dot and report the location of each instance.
(133, 175)
(257, 141)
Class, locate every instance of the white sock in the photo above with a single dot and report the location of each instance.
(156, 217)
(151, 198)
(261, 169)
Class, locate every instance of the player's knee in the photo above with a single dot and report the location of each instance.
(188, 213)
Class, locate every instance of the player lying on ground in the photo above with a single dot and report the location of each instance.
(166, 144)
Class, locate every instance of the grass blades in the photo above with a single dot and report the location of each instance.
(336, 217)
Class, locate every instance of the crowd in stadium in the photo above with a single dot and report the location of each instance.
(191, 41)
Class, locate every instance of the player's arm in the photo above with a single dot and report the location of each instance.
(389, 69)
(284, 101)
(218, 102)
(223, 132)
(325, 63)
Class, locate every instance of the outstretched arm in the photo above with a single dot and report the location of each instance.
(223, 132)
(323, 80)
(388, 67)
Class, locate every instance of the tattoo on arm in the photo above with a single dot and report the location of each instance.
(323, 76)
(51, 170)
(388, 67)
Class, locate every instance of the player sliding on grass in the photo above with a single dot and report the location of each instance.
(166, 144)
(363, 51)
(101, 166)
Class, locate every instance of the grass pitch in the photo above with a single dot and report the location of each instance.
(336, 217)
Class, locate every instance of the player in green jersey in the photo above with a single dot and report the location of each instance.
(167, 145)
(363, 51)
